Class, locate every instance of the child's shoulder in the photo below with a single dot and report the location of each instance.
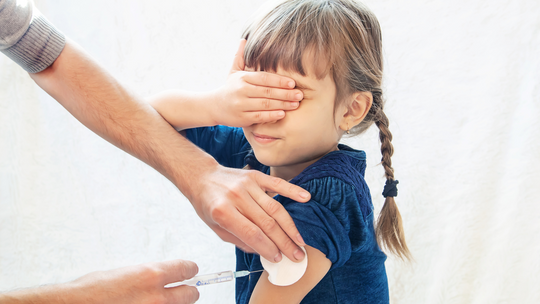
(336, 181)
(345, 167)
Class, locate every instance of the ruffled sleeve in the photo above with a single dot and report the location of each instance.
(227, 145)
(332, 221)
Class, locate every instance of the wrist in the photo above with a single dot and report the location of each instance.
(212, 102)
(192, 177)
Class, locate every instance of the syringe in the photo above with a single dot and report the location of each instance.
(213, 278)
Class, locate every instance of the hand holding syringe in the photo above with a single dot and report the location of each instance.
(213, 278)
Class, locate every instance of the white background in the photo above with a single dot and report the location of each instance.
(462, 86)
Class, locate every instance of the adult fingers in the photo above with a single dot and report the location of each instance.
(230, 238)
(177, 270)
(236, 223)
(269, 80)
(260, 91)
(182, 295)
(281, 187)
(238, 62)
(276, 223)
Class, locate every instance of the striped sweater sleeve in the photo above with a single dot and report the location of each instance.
(27, 37)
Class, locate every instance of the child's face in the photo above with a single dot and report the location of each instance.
(306, 134)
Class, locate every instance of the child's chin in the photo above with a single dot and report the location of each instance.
(268, 161)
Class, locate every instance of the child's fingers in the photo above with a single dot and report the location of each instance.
(256, 91)
(269, 80)
(265, 104)
(238, 62)
(264, 116)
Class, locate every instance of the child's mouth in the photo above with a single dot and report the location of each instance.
(263, 139)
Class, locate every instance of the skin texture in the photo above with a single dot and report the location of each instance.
(266, 292)
(239, 97)
(135, 284)
(232, 202)
(290, 145)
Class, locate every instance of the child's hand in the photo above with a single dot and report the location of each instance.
(253, 97)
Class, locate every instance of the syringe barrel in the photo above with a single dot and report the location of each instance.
(206, 279)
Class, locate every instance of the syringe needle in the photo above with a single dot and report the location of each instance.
(213, 278)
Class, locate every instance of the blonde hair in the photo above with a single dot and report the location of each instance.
(346, 36)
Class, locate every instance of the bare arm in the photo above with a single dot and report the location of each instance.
(135, 284)
(266, 292)
(246, 98)
(97, 100)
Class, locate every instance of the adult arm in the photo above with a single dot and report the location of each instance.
(135, 284)
(96, 99)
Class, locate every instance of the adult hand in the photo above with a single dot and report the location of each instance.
(234, 204)
(253, 97)
(135, 284)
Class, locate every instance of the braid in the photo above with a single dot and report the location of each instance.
(389, 229)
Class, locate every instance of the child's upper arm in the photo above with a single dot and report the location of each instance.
(266, 292)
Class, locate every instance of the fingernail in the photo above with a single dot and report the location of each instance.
(298, 96)
(278, 258)
(300, 239)
(295, 104)
(298, 254)
(281, 114)
(304, 195)
(291, 84)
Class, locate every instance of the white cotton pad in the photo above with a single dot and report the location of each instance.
(286, 272)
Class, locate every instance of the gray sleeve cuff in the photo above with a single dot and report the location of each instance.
(39, 47)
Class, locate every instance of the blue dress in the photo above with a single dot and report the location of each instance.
(338, 220)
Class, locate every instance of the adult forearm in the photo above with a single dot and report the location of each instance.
(54, 294)
(103, 105)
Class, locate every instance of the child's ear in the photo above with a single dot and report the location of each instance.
(356, 110)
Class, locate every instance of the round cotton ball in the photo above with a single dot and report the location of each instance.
(286, 272)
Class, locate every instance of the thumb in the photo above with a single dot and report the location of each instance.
(238, 63)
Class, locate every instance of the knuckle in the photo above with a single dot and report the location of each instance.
(152, 274)
(218, 214)
(288, 246)
(273, 207)
(265, 104)
(267, 92)
(276, 182)
(258, 117)
(253, 234)
(268, 224)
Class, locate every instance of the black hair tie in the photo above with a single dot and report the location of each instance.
(390, 188)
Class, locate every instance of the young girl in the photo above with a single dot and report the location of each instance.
(332, 49)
